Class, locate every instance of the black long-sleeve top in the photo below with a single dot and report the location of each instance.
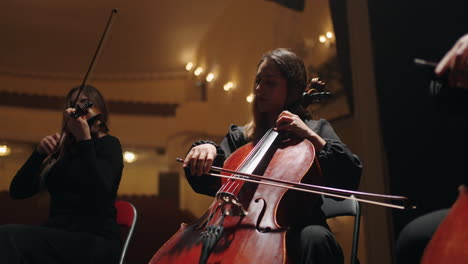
(82, 185)
(340, 167)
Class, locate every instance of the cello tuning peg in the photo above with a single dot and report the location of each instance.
(317, 84)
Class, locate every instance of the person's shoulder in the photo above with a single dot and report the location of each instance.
(236, 128)
(108, 139)
(236, 132)
(316, 124)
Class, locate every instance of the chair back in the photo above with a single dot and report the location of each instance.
(126, 217)
(333, 208)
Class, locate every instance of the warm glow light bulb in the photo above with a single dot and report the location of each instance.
(322, 39)
(249, 98)
(198, 71)
(189, 66)
(228, 86)
(4, 150)
(210, 77)
(329, 35)
(129, 157)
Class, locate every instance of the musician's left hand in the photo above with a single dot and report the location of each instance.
(78, 127)
(293, 124)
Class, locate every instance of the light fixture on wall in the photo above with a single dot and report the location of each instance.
(189, 66)
(198, 71)
(249, 98)
(202, 80)
(209, 77)
(327, 39)
(4, 150)
(129, 157)
(228, 86)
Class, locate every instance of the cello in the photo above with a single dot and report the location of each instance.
(253, 210)
(448, 244)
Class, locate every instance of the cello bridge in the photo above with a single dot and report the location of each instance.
(230, 204)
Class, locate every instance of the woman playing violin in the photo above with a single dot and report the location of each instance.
(280, 81)
(82, 183)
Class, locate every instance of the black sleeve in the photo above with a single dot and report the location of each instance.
(26, 182)
(101, 165)
(209, 185)
(340, 167)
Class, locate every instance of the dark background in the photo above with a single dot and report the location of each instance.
(424, 136)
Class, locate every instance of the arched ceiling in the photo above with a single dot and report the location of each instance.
(53, 37)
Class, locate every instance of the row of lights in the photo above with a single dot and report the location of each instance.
(128, 156)
(209, 77)
(326, 39)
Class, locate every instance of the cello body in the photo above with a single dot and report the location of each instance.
(449, 242)
(254, 226)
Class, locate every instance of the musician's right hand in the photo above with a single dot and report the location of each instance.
(200, 158)
(48, 144)
(456, 63)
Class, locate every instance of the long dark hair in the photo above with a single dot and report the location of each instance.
(293, 70)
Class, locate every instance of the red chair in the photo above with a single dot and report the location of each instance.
(126, 217)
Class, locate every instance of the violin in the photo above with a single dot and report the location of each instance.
(92, 114)
(86, 108)
(254, 208)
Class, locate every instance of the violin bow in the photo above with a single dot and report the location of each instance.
(97, 54)
(91, 67)
(90, 70)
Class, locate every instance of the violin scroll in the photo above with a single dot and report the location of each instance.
(92, 114)
(82, 110)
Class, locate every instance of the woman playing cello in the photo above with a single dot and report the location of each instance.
(280, 81)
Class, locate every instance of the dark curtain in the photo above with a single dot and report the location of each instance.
(425, 137)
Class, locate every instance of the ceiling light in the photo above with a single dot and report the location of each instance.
(329, 35)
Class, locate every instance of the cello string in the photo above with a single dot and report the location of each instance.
(257, 153)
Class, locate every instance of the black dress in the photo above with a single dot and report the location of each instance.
(81, 227)
(340, 168)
